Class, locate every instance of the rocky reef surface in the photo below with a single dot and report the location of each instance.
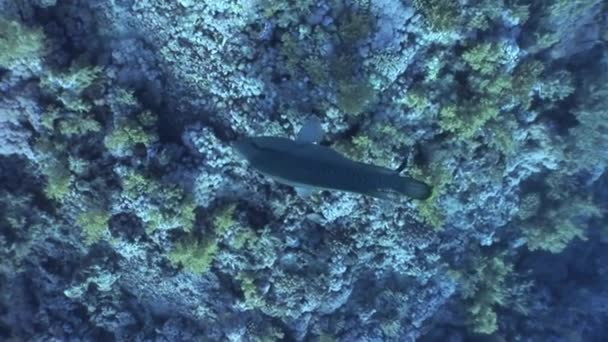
(126, 215)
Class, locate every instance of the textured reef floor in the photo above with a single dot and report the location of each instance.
(125, 215)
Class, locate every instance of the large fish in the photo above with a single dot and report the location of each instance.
(308, 166)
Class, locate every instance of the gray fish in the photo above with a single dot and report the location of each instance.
(307, 166)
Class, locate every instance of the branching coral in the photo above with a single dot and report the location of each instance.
(429, 210)
(125, 136)
(491, 93)
(303, 55)
(446, 15)
(196, 254)
(553, 230)
(485, 58)
(466, 121)
(58, 180)
(588, 141)
(550, 219)
(440, 14)
(559, 25)
(78, 126)
(19, 44)
(484, 287)
(251, 297)
(353, 98)
(160, 206)
(94, 224)
(68, 87)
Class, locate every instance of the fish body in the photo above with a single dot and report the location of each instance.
(308, 166)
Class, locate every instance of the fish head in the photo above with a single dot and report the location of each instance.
(253, 147)
(246, 147)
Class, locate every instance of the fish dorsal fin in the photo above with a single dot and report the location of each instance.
(311, 131)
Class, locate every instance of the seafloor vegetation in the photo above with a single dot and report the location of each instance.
(125, 215)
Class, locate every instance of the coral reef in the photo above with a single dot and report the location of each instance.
(126, 214)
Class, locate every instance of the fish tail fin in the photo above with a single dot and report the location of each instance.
(412, 188)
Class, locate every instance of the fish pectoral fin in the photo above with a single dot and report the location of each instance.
(304, 191)
(402, 166)
(311, 131)
(384, 194)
